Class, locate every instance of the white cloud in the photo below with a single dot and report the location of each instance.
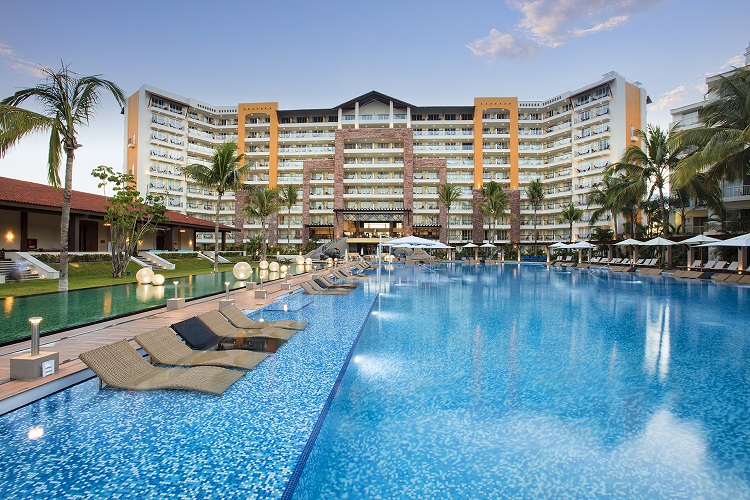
(733, 62)
(671, 97)
(9, 57)
(551, 23)
(499, 45)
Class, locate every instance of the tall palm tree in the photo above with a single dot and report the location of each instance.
(607, 200)
(722, 146)
(66, 100)
(262, 203)
(494, 206)
(288, 197)
(223, 175)
(571, 214)
(448, 194)
(652, 164)
(535, 193)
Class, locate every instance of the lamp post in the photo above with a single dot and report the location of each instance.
(35, 335)
(226, 286)
(175, 283)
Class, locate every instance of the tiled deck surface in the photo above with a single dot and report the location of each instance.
(72, 342)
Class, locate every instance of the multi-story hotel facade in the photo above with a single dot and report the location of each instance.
(372, 165)
(736, 194)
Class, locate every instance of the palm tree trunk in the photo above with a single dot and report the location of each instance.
(289, 228)
(263, 238)
(65, 220)
(216, 235)
(664, 217)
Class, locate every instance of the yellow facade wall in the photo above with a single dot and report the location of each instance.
(482, 104)
(132, 140)
(262, 108)
(632, 111)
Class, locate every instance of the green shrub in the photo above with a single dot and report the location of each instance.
(176, 255)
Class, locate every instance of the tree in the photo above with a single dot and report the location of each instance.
(448, 194)
(571, 214)
(609, 200)
(652, 165)
(223, 175)
(720, 148)
(261, 203)
(129, 216)
(535, 193)
(494, 205)
(67, 101)
(288, 197)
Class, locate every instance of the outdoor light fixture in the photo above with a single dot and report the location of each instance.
(263, 264)
(144, 276)
(182, 230)
(242, 271)
(35, 433)
(35, 335)
(175, 283)
(226, 285)
(273, 267)
(158, 279)
(299, 260)
(9, 236)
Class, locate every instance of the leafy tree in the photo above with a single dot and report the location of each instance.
(720, 148)
(448, 194)
(535, 193)
(128, 214)
(651, 166)
(223, 175)
(67, 101)
(494, 205)
(288, 197)
(261, 203)
(571, 214)
(602, 234)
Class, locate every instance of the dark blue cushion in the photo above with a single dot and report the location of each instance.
(196, 334)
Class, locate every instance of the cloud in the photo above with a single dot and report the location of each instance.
(551, 23)
(733, 62)
(671, 97)
(499, 45)
(9, 57)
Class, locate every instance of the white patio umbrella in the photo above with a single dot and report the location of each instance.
(559, 246)
(633, 243)
(472, 245)
(742, 242)
(696, 241)
(659, 242)
(581, 246)
(410, 240)
(487, 245)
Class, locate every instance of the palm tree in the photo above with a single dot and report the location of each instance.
(262, 203)
(448, 194)
(722, 146)
(651, 164)
(223, 175)
(606, 198)
(535, 193)
(66, 101)
(494, 206)
(288, 197)
(571, 214)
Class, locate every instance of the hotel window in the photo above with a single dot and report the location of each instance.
(348, 118)
(317, 119)
(433, 117)
(301, 119)
(285, 119)
(417, 117)
(365, 117)
(383, 117)
(467, 116)
(450, 116)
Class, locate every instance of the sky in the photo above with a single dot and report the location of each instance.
(305, 54)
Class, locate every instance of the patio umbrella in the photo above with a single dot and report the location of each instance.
(742, 242)
(487, 245)
(472, 245)
(633, 243)
(581, 246)
(410, 240)
(659, 242)
(696, 240)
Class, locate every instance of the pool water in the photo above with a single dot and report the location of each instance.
(524, 382)
(507, 381)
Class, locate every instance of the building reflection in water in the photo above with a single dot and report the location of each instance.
(107, 303)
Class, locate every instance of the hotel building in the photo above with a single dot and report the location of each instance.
(736, 195)
(372, 165)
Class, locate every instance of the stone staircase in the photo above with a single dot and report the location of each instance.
(145, 256)
(7, 265)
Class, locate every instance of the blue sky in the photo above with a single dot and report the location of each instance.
(320, 54)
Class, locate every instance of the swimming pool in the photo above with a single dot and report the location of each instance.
(476, 381)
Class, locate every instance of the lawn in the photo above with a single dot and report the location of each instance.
(93, 274)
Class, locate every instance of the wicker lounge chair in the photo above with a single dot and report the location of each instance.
(221, 327)
(329, 282)
(196, 334)
(238, 319)
(333, 286)
(120, 366)
(164, 348)
(309, 289)
(344, 276)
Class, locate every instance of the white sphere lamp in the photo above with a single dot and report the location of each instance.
(144, 275)
(242, 271)
(157, 279)
(273, 267)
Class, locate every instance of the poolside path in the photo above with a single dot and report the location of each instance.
(71, 343)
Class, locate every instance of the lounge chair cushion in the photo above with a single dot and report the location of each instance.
(119, 365)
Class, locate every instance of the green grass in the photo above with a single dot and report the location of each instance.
(93, 274)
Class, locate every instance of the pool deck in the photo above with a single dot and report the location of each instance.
(70, 343)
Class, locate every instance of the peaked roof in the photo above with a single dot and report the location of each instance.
(372, 96)
(42, 195)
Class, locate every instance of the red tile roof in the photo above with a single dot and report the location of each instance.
(43, 195)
